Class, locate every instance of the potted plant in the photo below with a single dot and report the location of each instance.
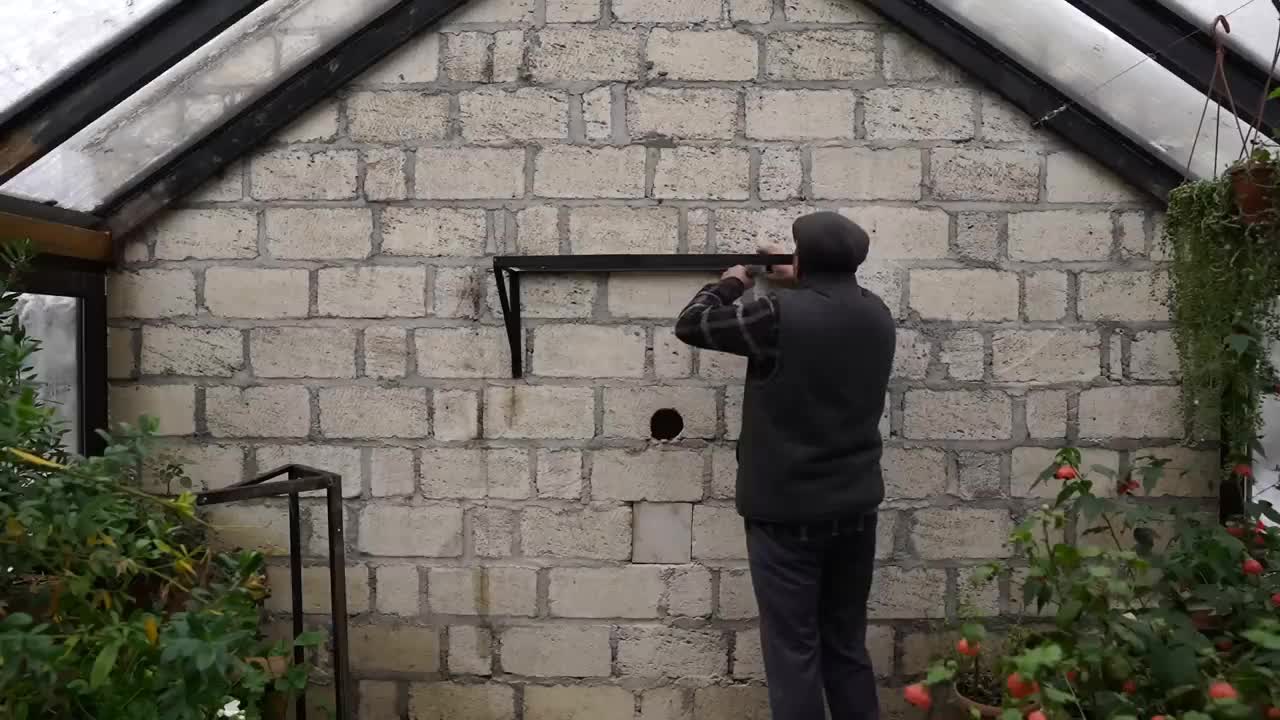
(1253, 187)
(1122, 642)
(977, 687)
(112, 605)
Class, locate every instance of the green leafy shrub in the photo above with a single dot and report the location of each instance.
(112, 606)
(1156, 612)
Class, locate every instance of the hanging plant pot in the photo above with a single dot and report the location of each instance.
(1253, 186)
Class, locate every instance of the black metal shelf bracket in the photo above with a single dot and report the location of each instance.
(507, 270)
(300, 479)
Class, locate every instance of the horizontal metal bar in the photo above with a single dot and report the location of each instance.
(136, 60)
(631, 263)
(325, 75)
(293, 470)
(1037, 98)
(278, 488)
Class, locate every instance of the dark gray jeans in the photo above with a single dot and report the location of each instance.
(812, 583)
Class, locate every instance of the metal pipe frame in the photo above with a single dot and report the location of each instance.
(1033, 96)
(1159, 32)
(300, 479)
(507, 270)
(326, 74)
(85, 95)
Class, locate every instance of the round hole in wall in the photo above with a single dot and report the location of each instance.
(666, 424)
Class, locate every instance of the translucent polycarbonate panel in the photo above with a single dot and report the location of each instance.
(42, 42)
(54, 321)
(191, 99)
(1254, 25)
(1107, 76)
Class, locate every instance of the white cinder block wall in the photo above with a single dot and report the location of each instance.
(520, 548)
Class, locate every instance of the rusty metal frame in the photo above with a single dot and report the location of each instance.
(301, 478)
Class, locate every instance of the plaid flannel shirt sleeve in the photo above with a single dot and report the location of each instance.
(715, 320)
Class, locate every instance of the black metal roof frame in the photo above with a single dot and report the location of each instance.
(72, 104)
(273, 111)
(1040, 100)
(43, 122)
(64, 108)
(1189, 53)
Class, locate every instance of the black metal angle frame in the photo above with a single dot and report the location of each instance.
(303, 479)
(1173, 42)
(38, 126)
(507, 270)
(323, 76)
(1033, 96)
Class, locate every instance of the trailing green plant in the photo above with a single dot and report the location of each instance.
(1225, 281)
(112, 606)
(1152, 613)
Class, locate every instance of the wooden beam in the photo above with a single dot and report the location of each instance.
(53, 238)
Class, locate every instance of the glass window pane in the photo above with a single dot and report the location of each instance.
(42, 41)
(191, 99)
(55, 322)
(1253, 25)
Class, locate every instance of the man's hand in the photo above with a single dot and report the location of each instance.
(740, 273)
(781, 275)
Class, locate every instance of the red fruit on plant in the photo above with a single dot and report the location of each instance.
(1066, 472)
(1224, 645)
(1130, 687)
(1259, 539)
(1073, 677)
(1128, 488)
(968, 650)
(1243, 470)
(1036, 715)
(1273, 713)
(1157, 717)
(1252, 567)
(1235, 531)
(917, 695)
(1275, 600)
(1020, 688)
(1222, 691)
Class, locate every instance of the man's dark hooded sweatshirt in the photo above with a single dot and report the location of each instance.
(820, 358)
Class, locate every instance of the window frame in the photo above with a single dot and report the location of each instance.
(86, 282)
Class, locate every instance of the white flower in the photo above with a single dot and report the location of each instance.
(1130, 616)
(231, 711)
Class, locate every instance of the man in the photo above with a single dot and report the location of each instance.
(820, 351)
